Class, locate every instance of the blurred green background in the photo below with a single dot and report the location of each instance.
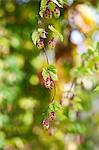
(23, 98)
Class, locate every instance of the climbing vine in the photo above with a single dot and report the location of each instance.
(82, 76)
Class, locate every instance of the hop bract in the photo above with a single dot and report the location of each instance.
(45, 124)
(56, 12)
(52, 115)
(47, 13)
(49, 83)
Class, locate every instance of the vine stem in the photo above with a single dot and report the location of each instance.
(46, 55)
(54, 93)
(49, 74)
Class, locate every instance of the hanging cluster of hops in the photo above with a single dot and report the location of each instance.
(49, 83)
(50, 7)
(52, 43)
(48, 13)
(49, 74)
(43, 40)
(54, 114)
(38, 38)
(46, 122)
(40, 43)
(56, 12)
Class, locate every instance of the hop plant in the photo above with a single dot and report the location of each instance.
(45, 124)
(47, 13)
(49, 83)
(38, 38)
(71, 98)
(52, 43)
(56, 12)
(40, 43)
(49, 75)
(52, 116)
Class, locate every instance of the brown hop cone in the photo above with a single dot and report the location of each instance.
(52, 116)
(49, 83)
(56, 12)
(45, 124)
(52, 43)
(40, 43)
(47, 13)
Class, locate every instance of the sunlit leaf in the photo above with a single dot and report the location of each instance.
(43, 4)
(50, 70)
(35, 37)
(42, 7)
(55, 106)
(55, 32)
(42, 33)
(53, 75)
(57, 2)
(51, 6)
(45, 73)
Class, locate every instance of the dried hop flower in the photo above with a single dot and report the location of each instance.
(45, 124)
(56, 12)
(49, 83)
(52, 43)
(47, 13)
(40, 43)
(52, 115)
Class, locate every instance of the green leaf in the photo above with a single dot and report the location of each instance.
(97, 88)
(55, 106)
(42, 7)
(45, 73)
(51, 6)
(42, 32)
(53, 72)
(35, 37)
(50, 70)
(57, 3)
(60, 1)
(51, 107)
(53, 76)
(56, 33)
(43, 4)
